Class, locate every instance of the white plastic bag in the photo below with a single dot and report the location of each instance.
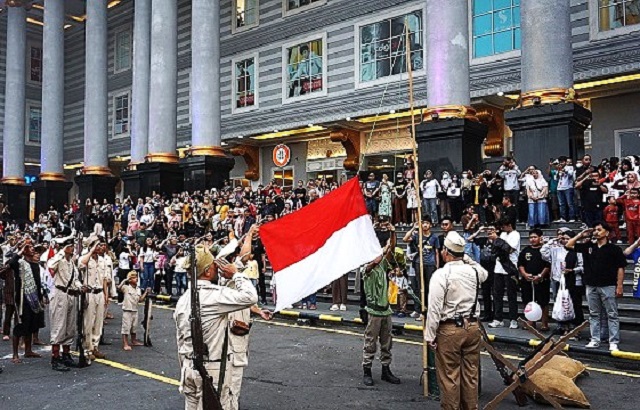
(563, 307)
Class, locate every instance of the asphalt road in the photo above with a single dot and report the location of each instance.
(291, 367)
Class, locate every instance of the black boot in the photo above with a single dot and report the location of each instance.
(68, 361)
(367, 379)
(58, 365)
(387, 376)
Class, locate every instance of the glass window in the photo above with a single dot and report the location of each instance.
(296, 4)
(283, 177)
(35, 64)
(496, 27)
(246, 13)
(123, 50)
(304, 69)
(383, 48)
(121, 115)
(35, 125)
(245, 83)
(614, 14)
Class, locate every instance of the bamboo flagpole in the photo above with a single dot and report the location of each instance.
(416, 181)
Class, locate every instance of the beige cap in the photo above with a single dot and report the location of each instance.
(454, 243)
(204, 259)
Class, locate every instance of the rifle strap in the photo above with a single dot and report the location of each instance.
(223, 359)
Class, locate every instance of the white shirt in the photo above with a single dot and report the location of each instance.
(123, 260)
(513, 239)
(510, 176)
(429, 189)
(148, 256)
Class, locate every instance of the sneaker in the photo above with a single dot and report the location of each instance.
(592, 345)
(496, 323)
(618, 241)
(343, 307)
(333, 308)
(513, 324)
(613, 347)
(561, 221)
(414, 314)
(571, 221)
(420, 318)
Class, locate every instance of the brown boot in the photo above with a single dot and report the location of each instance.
(98, 354)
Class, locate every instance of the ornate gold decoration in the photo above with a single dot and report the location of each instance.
(392, 140)
(164, 157)
(207, 151)
(443, 112)
(13, 181)
(317, 149)
(547, 96)
(97, 170)
(251, 155)
(16, 3)
(493, 117)
(350, 140)
(53, 176)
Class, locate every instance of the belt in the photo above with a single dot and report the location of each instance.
(62, 288)
(96, 291)
(453, 321)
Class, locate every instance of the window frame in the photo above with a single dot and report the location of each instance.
(617, 142)
(30, 45)
(395, 77)
(286, 12)
(124, 29)
(507, 55)
(234, 18)
(234, 84)
(115, 96)
(29, 106)
(275, 170)
(594, 25)
(325, 85)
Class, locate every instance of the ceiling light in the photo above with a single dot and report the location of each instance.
(500, 94)
(113, 3)
(385, 160)
(240, 137)
(275, 130)
(348, 118)
(224, 144)
(310, 125)
(392, 111)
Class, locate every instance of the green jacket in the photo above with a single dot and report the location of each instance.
(376, 289)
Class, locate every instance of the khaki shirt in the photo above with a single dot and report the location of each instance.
(95, 272)
(131, 297)
(107, 270)
(215, 302)
(64, 270)
(238, 345)
(452, 290)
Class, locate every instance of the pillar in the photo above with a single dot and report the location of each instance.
(52, 189)
(96, 181)
(14, 192)
(160, 172)
(207, 165)
(548, 122)
(451, 136)
(140, 96)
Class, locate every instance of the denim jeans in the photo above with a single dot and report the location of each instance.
(566, 204)
(147, 275)
(599, 299)
(538, 214)
(181, 282)
(310, 300)
(430, 209)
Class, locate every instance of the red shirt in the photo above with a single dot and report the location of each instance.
(631, 208)
(611, 214)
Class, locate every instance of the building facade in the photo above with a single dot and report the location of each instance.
(326, 77)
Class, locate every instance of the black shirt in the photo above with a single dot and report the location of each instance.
(511, 214)
(531, 260)
(601, 264)
(399, 188)
(591, 196)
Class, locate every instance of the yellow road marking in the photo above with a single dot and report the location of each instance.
(139, 372)
(330, 318)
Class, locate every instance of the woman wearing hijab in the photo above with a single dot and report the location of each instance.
(537, 192)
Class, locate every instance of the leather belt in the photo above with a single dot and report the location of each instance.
(96, 291)
(62, 288)
(453, 321)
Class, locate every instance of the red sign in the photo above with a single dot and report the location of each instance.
(281, 155)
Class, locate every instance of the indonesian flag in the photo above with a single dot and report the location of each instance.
(316, 245)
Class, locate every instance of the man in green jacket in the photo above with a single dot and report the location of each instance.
(376, 288)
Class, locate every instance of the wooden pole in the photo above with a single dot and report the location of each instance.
(416, 181)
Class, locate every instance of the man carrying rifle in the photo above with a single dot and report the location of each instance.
(63, 306)
(215, 303)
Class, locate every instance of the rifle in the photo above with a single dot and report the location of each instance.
(82, 360)
(210, 397)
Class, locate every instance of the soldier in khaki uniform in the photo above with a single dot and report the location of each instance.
(97, 298)
(215, 304)
(62, 309)
(452, 325)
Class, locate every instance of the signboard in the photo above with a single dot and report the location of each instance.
(281, 155)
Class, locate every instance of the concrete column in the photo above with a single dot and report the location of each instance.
(447, 53)
(205, 78)
(52, 146)
(140, 93)
(15, 104)
(547, 57)
(163, 83)
(96, 158)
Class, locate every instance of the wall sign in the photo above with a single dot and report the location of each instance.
(281, 155)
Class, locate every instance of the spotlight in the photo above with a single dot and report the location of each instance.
(435, 116)
(392, 112)
(348, 118)
(500, 94)
(310, 125)
(537, 101)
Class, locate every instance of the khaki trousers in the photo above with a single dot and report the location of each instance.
(231, 388)
(457, 364)
(379, 327)
(192, 385)
(62, 314)
(93, 320)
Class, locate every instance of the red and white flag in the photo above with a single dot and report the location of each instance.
(316, 245)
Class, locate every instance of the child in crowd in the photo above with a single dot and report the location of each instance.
(132, 297)
(398, 277)
(631, 203)
(610, 214)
